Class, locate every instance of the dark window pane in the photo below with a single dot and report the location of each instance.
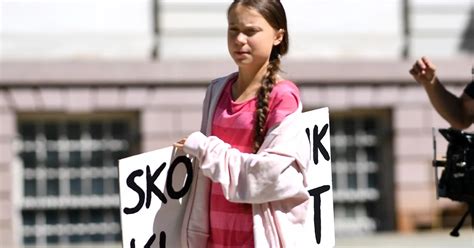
(74, 239)
(334, 181)
(97, 186)
(51, 131)
(29, 240)
(29, 218)
(29, 187)
(54, 239)
(52, 217)
(352, 180)
(116, 215)
(351, 153)
(110, 187)
(52, 159)
(109, 237)
(372, 178)
(370, 125)
(75, 186)
(118, 237)
(118, 155)
(371, 153)
(371, 209)
(332, 128)
(27, 131)
(119, 130)
(97, 159)
(96, 130)
(74, 216)
(52, 187)
(97, 238)
(97, 216)
(349, 126)
(29, 159)
(334, 153)
(75, 159)
(73, 130)
(116, 185)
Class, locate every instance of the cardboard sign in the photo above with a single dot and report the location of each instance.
(321, 222)
(154, 188)
(153, 193)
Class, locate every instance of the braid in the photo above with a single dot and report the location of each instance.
(263, 99)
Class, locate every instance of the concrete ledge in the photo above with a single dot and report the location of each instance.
(199, 73)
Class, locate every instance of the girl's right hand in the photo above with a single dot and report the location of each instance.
(424, 71)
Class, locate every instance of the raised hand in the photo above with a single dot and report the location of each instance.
(424, 72)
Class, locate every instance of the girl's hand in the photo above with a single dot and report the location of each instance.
(424, 72)
(180, 144)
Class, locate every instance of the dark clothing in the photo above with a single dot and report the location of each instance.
(469, 90)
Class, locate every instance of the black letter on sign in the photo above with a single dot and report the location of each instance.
(141, 195)
(189, 177)
(162, 239)
(317, 145)
(151, 240)
(316, 193)
(151, 187)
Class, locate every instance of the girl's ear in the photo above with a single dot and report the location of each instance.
(278, 37)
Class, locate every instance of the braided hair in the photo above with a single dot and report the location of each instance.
(274, 14)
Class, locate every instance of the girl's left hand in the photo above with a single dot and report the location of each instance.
(180, 144)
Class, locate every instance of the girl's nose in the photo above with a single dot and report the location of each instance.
(241, 38)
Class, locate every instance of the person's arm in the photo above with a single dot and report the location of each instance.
(275, 173)
(468, 106)
(450, 107)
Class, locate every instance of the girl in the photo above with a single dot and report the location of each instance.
(250, 188)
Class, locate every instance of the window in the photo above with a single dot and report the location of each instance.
(362, 171)
(69, 176)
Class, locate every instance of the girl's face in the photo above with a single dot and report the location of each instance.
(250, 38)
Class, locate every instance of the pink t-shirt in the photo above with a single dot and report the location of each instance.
(231, 223)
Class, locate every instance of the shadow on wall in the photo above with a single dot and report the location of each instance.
(467, 43)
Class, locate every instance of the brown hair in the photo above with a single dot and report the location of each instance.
(274, 14)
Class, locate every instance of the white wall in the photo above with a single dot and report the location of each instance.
(319, 29)
(438, 27)
(75, 29)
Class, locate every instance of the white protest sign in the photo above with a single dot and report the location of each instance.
(153, 193)
(321, 224)
(154, 189)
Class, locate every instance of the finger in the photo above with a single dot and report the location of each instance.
(428, 63)
(178, 145)
(421, 64)
(418, 67)
(417, 70)
(413, 72)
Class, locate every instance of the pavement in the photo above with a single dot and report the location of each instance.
(431, 239)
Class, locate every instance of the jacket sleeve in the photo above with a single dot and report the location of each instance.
(276, 172)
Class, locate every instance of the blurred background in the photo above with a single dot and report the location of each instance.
(84, 83)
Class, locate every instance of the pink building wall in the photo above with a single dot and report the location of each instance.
(168, 99)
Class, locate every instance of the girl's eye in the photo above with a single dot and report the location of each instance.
(250, 32)
(247, 32)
